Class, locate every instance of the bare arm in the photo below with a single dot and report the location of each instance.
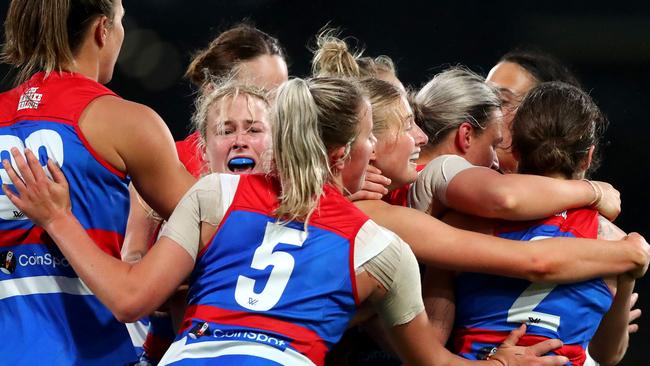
(439, 301)
(610, 342)
(483, 192)
(558, 260)
(128, 290)
(416, 343)
(134, 139)
(414, 346)
(140, 228)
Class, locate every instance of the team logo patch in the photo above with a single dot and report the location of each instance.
(30, 99)
(199, 330)
(7, 262)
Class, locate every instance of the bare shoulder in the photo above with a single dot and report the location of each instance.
(608, 231)
(118, 112)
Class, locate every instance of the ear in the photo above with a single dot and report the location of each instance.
(587, 162)
(337, 163)
(100, 28)
(463, 138)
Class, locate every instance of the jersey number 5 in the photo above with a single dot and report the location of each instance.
(263, 257)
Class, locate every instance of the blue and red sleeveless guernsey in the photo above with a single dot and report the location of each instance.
(47, 314)
(263, 293)
(489, 307)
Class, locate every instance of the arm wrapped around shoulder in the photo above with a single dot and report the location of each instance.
(397, 270)
(200, 204)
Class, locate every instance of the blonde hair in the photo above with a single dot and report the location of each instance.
(385, 100)
(452, 97)
(44, 35)
(334, 58)
(222, 89)
(310, 118)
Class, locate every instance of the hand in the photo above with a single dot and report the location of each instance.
(634, 314)
(644, 259)
(509, 354)
(374, 186)
(39, 198)
(609, 202)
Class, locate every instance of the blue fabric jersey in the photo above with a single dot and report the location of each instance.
(47, 314)
(263, 293)
(489, 307)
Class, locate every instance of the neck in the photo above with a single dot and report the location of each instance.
(86, 62)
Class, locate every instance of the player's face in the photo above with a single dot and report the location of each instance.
(482, 151)
(361, 151)
(398, 148)
(113, 45)
(238, 138)
(265, 71)
(513, 82)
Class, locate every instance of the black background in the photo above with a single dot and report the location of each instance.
(606, 44)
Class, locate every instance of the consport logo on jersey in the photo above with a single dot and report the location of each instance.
(46, 259)
(9, 260)
(203, 330)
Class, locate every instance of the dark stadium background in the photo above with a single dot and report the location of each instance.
(607, 46)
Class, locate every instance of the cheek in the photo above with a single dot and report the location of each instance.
(216, 150)
(261, 144)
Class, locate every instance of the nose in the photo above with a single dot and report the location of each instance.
(419, 136)
(240, 140)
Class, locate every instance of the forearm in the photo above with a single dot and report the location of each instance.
(516, 196)
(561, 260)
(557, 260)
(141, 228)
(610, 342)
(128, 290)
(438, 296)
(416, 345)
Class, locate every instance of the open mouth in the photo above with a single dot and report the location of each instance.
(414, 157)
(241, 165)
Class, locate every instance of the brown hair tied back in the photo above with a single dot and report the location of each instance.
(554, 128)
(240, 43)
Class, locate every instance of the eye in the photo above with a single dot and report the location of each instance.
(226, 131)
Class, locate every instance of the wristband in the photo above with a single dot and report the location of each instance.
(598, 194)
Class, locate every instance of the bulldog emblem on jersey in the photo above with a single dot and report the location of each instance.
(7, 262)
(199, 330)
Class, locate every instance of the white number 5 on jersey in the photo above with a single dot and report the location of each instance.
(264, 257)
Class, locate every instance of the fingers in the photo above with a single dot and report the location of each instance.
(364, 195)
(374, 188)
(57, 174)
(545, 347)
(632, 328)
(634, 315)
(23, 167)
(15, 179)
(373, 174)
(553, 360)
(12, 197)
(35, 166)
(633, 298)
(514, 336)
